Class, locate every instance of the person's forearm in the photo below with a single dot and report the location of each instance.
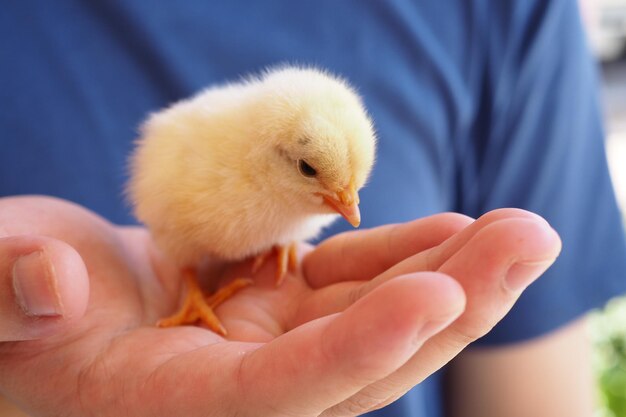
(549, 377)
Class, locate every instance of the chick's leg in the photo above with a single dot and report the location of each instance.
(286, 260)
(228, 291)
(194, 308)
(197, 307)
(260, 260)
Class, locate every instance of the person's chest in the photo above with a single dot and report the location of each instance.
(94, 78)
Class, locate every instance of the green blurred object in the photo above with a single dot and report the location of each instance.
(608, 330)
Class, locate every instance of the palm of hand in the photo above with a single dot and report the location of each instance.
(288, 353)
(116, 341)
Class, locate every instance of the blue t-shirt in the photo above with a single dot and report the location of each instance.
(478, 105)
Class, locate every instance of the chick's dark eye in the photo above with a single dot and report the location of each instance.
(306, 169)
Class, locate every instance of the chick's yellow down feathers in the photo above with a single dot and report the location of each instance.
(244, 167)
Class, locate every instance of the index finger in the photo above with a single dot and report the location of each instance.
(364, 254)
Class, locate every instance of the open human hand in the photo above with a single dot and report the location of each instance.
(369, 315)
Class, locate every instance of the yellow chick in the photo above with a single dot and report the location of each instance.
(242, 168)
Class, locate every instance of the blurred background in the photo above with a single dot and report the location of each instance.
(605, 21)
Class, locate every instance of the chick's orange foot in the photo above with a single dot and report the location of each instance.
(199, 308)
(286, 260)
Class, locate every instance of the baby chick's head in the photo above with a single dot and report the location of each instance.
(321, 141)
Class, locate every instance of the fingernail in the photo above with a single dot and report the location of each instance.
(522, 274)
(35, 286)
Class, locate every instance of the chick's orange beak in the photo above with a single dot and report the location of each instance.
(346, 203)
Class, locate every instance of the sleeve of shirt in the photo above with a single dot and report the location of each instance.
(538, 144)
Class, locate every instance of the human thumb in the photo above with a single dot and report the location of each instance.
(44, 287)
